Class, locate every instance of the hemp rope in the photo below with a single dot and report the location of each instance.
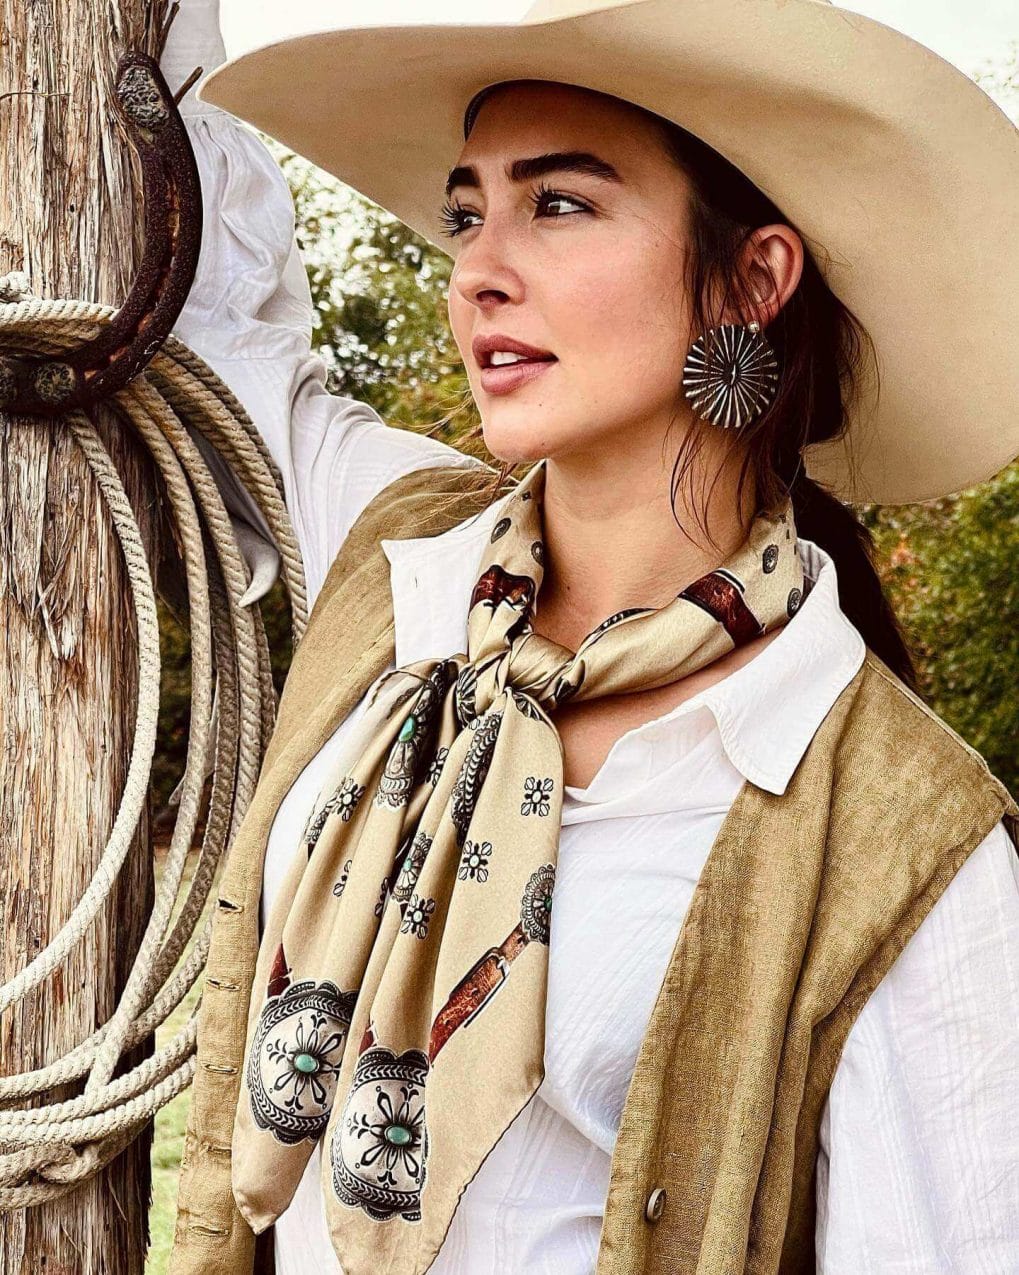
(46, 1151)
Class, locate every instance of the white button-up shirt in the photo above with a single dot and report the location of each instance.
(918, 1167)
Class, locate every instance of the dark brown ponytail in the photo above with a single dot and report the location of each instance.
(826, 521)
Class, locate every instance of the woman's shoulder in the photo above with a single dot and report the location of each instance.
(892, 731)
(910, 798)
(426, 500)
(387, 475)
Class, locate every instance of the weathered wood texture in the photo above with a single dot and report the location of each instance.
(67, 675)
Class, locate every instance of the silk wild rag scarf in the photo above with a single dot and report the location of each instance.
(398, 1005)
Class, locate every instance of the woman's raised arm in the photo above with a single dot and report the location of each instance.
(249, 316)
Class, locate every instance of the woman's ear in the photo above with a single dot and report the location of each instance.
(773, 262)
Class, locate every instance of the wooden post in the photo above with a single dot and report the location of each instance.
(69, 220)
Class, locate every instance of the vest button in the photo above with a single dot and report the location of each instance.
(655, 1204)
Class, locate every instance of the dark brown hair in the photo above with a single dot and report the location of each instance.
(819, 344)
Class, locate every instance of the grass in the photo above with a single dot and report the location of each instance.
(168, 1136)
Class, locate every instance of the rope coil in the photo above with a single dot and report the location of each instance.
(47, 1150)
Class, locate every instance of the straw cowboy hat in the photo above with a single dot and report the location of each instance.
(880, 152)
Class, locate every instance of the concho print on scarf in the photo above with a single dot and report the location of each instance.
(398, 1009)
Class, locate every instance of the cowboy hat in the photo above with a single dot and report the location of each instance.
(900, 172)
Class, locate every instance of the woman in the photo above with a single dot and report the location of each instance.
(725, 603)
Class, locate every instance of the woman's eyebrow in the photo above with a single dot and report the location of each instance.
(521, 170)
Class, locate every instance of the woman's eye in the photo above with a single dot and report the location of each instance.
(452, 216)
(544, 198)
(456, 218)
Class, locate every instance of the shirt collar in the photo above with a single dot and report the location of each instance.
(767, 711)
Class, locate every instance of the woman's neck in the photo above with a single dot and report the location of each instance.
(611, 541)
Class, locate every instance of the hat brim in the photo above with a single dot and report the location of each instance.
(901, 173)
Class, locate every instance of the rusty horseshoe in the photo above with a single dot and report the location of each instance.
(98, 368)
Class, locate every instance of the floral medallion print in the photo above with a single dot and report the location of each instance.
(415, 918)
(769, 559)
(437, 763)
(793, 604)
(414, 742)
(344, 800)
(347, 798)
(410, 869)
(536, 794)
(526, 704)
(315, 825)
(465, 695)
(338, 888)
(474, 860)
(380, 902)
(536, 905)
(467, 788)
(295, 1059)
(379, 1147)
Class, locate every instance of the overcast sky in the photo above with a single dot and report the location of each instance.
(964, 32)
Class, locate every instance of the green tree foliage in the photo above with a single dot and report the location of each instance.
(950, 567)
(381, 323)
(999, 77)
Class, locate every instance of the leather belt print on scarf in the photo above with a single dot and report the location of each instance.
(398, 1007)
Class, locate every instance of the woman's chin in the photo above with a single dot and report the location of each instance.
(515, 446)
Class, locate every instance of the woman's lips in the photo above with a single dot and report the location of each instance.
(508, 376)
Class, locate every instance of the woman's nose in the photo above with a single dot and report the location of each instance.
(483, 274)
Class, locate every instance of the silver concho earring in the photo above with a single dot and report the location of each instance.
(740, 381)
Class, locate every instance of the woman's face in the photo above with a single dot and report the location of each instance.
(592, 273)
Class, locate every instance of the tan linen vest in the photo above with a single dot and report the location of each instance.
(803, 904)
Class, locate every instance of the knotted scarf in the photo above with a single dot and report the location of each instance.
(398, 1005)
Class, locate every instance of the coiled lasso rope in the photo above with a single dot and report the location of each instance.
(45, 1151)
